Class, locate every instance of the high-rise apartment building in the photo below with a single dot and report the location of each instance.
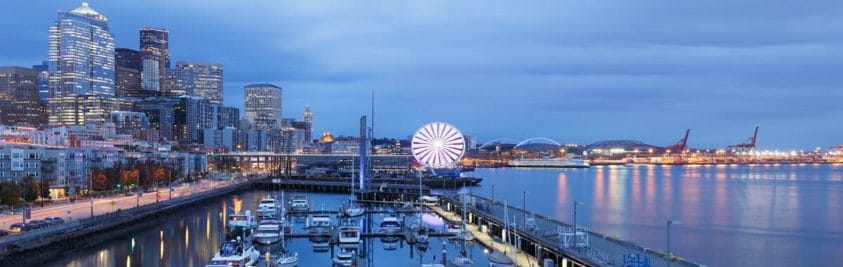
(263, 105)
(81, 66)
(203, 80)
(19, 102)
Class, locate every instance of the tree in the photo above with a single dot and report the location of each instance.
(32, 190)
(100, 181)
(45, 189)
(10, 193)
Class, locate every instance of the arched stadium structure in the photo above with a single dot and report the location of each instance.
(538, 143)
(502, 143)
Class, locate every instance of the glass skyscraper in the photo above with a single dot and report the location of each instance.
(81, 66)
(196, 79)
(154, 45)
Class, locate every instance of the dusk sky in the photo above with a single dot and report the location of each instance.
(573, 71)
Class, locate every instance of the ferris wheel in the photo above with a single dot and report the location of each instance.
(438, 145)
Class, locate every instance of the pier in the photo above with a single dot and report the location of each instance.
(547, 238)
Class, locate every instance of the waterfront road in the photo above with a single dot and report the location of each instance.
(82, 208)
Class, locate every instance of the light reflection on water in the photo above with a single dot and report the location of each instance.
(177, 242)
(732, 215)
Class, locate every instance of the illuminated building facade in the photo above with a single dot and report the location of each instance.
(263, 105)
(81, 67)
(154, 47)
(19, 101)
(203, 80)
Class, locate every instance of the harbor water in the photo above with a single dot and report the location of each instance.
(731, 215)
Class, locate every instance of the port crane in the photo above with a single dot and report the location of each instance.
(746, 145)
(680, 146)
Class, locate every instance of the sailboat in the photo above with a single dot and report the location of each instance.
(353, 209)
(501, 259)
(462, 260)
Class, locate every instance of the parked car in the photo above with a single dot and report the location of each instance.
(17, 228)
(58, 220)
(37, 224)
(48, 220)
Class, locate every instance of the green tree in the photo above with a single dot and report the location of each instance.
(32, 190)
(9, 193)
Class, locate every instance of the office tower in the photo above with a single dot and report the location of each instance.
(81, 66)
(308, 121)
(43, 80)
(226, 116)
(196, 79)
(191, 116)
(155, 49)
(263, 105)
(19, 102)
(160, 112)
(127, 73)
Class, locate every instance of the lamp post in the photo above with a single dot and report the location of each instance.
(575, 213)
(525, 210)
(669, 223)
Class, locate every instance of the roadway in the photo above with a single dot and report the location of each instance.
(82, 208)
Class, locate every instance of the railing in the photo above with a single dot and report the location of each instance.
(112, 218)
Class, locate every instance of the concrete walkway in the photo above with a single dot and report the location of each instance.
(521, 259)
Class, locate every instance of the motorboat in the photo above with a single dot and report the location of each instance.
(299, 203)
(455, 227)
(390, 224)
(462, 261)
(345, 257)
(464, 236)
(235, 253)
(354, 210)
(321, 245)
(287, 260)
(422, 237)
(390, 242)
(429, 199)
(241, 221)
(499, 259)
(320, 224)
(269, 231)
(349, 235)
(269, 206)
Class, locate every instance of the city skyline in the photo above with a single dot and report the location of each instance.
(579, 74)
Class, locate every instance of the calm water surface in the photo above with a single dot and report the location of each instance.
(761, 215)
(191, 237)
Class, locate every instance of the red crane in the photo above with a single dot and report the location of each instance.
(681, 145)
(748, 144)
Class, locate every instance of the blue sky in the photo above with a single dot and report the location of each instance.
(574, 71)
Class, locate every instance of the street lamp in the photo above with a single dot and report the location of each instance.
(669, 223)
(525, 210)
(575, 213)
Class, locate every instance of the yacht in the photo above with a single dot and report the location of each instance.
(321, 245)
(349, 235)
(299, 203)
(241, 221)
(390, 224)
(269, 231)
(320, 224)
(269, 206)
(345, 257)
(235, 253)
